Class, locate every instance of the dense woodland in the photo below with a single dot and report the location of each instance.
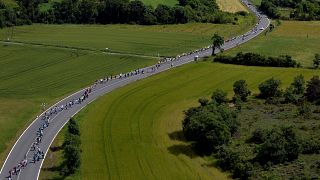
(272, 135)
(113, 11)
(299, 9)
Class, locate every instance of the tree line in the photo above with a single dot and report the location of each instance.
(212, 126)
(300, 9)
(114, 11)
(254, 59)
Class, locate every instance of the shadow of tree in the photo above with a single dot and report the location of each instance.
(182, 149)
(177, 135)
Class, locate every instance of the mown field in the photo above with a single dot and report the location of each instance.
(295, 38)
(136, 131)
(167, 40)
(32, 75)
(231, 6)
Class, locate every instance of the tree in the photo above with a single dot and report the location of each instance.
(164, 14)
(313, 90)
(280, 146)
(298, 84)
(269, 88)
(73, 127)
(219, 96)
(240, 88)
(217, 42)
(316, 60)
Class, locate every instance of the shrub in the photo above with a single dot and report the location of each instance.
(219, 96)
(298, 84)
(280, 146)
(269, 88)
(313, 90)
(310, 146)
(240, 88)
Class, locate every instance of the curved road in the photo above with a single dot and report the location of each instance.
(22, 148)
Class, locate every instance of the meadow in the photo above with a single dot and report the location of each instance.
(231, 6)
(33, 74)
(299, 39)
(135, 131)
(165, 40)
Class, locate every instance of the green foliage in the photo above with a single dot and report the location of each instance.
(290, 96)
(219, 96)
(280, 146)
(203, 101)
(269, 88)
(304, 109)
(71, 148)
(209, 126)
(240, 88)
(217, 42)
(310, 146)
(254, 59)
(313, 90)
(298, 84)
(258, 136)
(73, 127)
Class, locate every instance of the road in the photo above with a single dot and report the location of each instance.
(22, 148)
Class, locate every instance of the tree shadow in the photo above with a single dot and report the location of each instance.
(56, 148)
(181, 148)
(177, 135)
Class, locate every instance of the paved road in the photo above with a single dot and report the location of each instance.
(22, 148)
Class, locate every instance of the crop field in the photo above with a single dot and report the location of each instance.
(32, 75)
(231, 6)
(136, 131)
(165, 40)
(295, 38)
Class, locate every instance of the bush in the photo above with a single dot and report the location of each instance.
(240, 88)
(209, 126)
(280, 146)
(253, 59)
(219, 96)
(310, 146)
(73, 127)
(313, 90)
(298, 84)
(269, 88)
(258, 136)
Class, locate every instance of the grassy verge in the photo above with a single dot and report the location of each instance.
(136, 130)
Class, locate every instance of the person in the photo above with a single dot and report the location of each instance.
(171, 64)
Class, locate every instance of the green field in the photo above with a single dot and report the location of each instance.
(136, 130)
(167, 40)
(32, 75)
(295, 38)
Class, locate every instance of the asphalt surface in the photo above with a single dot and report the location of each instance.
(21, 149)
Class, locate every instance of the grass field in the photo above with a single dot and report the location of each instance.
(135, 131)
(32, 75)
(231, 6)
(295, 38)
(167, 40)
